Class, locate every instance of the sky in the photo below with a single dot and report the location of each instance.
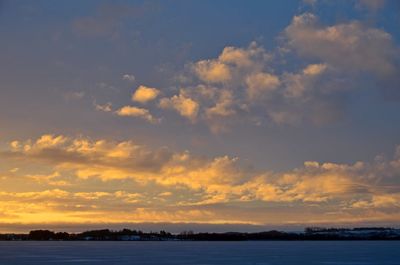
(202, 115)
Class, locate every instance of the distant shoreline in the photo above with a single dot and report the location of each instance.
(309, 234)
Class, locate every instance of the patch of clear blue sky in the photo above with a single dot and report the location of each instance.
(43, 58)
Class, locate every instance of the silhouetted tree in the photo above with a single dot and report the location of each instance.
(41, 235)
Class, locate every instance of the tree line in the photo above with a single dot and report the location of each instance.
(310, 233)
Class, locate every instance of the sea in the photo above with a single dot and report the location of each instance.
(200, 253)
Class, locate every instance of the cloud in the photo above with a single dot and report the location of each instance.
(372, 5)
(212, 71)
(352, 46)
(216, 85)
(132, 111)
(107, 107)
(53, 179)
(104, 23)
(252, 86)
(129, 77)
(13, 170)
(176, 182)
(144, 94)
(379, 201)
(310, 2)
(85, 155)
(314, 69)
(108, 19)
(50, 206)
(74, 95)
(261, 83)
(297, 85)
(183, 104)
(223, 106)
(241, 86)
(107, 160)
(231, 65)
(251, 89)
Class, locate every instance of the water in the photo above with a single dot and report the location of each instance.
(201, 253)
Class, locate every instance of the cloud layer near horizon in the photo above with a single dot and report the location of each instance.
(138, 184)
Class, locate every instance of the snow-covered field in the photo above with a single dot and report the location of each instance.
(201, 253)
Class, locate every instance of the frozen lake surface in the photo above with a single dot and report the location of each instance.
(201, 253)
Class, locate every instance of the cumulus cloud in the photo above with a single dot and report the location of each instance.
(183, 104)
(250, 88)
(212, 71)
(250, 85)
(317, 91)
(349, 46)
(296, 85)
(132, 111)
(219, 85)
(223, 106)
(230, 63)
(144, 94)
(107, 107)
(260, 83)
(129, 77)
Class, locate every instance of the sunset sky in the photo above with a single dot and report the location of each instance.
(199, 114)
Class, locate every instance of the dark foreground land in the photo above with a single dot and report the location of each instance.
(374, 233)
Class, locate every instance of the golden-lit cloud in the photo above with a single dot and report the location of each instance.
(53, 179)
(315, 69)
(184, 183)
(297, 85)
(132, 111)
(250, 89)
(255, 87)
(183, 104)
(223, 106)
(350, 46)
(218, 84)
(259, 83)
(212, 71)
(144, 94)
